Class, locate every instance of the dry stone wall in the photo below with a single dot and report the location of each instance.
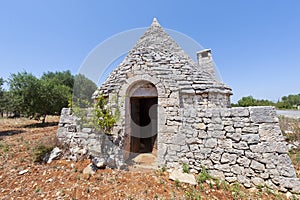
(235, 144)
(85, 142)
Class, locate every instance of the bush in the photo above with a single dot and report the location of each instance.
(203, 176)
(40, 152)
(185, 168)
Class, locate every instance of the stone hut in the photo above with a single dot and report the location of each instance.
(177, 110)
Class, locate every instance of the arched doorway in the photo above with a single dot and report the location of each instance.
(141, 119)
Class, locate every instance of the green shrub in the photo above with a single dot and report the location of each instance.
(163, 168)
(185, 168)
(203, 176)
(236, 191)
(298, 156)
(106, 119)
(40, 152)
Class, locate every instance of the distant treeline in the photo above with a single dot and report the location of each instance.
(37, 97)
(286, 102)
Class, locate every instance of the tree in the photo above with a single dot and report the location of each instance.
(250, 101)
(61, 78)
(37, 98)
(2, 101)
(289, 102)
(24, 90)
(83, 90)
(246, 101)
(52, 98)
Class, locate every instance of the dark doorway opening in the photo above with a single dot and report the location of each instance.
(143, 125)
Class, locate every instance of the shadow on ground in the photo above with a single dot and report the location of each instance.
(10, 132)
(39, 125)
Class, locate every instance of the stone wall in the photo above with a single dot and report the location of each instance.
(85, 142)
(235, 144)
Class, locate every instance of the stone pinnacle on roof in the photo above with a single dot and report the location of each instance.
(155, 22)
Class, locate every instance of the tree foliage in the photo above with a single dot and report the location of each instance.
(37, 97)
(287, 102)
(60, 78)
(2, 97)
(83, 90)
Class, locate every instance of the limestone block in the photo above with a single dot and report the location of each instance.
(201, 126)
(225, 143)
(249, 172)
(243, 161)
(225, 112)
(205, 151)
(215, 127)
(193, 141)
(240, 145)
(268, 158)
(263, 114)
(236, 169)
(229, 129)
(206, 120)
(270, 132)
(234, 136)
(81, 135)
(228, 158)
(251, 138)
(179, 139)
(211, 143)
(61, 132)
(290, 183)
(174, 148)
(286, 171)
(269, 147)
(218, 134)
(223, 167)
(240, 112)
(271, 185)
(238, 124)
(228, 122)
(195, 147)
(238, 130)
(257, 166)
(90, 169)
(264, 175)
(257, 181)
(244, 180)
(206, 163)
(183, 177)
(217, 174)
(251, 129)
(215, 157)
(239, 152)
(231, 179)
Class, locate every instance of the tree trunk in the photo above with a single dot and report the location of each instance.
(43, 119)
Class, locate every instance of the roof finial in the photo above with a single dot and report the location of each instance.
(155, 22)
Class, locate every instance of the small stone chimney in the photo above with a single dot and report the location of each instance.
(205, 61)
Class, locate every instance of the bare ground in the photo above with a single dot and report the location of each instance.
(64, 179)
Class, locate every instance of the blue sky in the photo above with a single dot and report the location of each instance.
(255, 44)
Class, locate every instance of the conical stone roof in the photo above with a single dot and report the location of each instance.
(158, 55)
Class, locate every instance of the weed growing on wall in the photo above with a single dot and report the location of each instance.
(98, 116)
(106, 119)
